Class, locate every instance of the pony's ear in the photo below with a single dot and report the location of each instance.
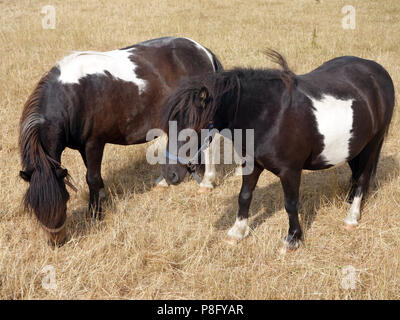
(25, 175)
(61, 173)
(203, 96)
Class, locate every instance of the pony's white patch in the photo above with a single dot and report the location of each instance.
(354, 213)
(239, 230)
(335, 122)
(81, 64)
(198, 45)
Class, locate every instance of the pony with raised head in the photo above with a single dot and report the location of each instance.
(339, 112)
(92, 98)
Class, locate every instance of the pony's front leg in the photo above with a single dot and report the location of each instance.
(241, 229)
(210, 155)
(290, 180)
(161, 145)
(94, 155)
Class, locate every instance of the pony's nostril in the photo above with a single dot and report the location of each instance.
(174, 177)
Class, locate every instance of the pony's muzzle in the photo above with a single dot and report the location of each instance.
(173, 178)
(56, 237)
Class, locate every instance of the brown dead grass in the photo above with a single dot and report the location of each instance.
(167, 245)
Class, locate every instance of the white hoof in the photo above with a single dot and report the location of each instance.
(353, 215)
(239, 230)
(204, 190)
(230, 241)
(350, 223)
(206, 187)
(289, 246)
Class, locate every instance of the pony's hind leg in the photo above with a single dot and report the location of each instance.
(372, 180)
(290, 180)
(354, 178)
(160, 144)
(363, 169)
(93, 158)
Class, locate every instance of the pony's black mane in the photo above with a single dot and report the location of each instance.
(46, 201)
(199, 98)
(196, 99)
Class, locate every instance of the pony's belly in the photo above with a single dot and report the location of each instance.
(322, 165)
(334, 118)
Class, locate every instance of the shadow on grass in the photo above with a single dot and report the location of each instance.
(139, 177)
(135, 177)
(315, 186)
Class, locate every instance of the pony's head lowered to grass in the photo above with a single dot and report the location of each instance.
(46, 195)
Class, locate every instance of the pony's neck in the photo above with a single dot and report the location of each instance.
(226, 109)
(248, 111)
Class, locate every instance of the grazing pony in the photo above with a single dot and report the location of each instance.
(339, 112)
(92, 98)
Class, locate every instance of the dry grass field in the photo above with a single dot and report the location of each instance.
(167, 244)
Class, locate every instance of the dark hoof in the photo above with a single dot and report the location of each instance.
(99, 216)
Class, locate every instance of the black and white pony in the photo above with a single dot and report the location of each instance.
(92, 98)
(339, 112)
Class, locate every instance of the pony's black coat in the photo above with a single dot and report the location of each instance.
(100, 109)
(277, 105)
